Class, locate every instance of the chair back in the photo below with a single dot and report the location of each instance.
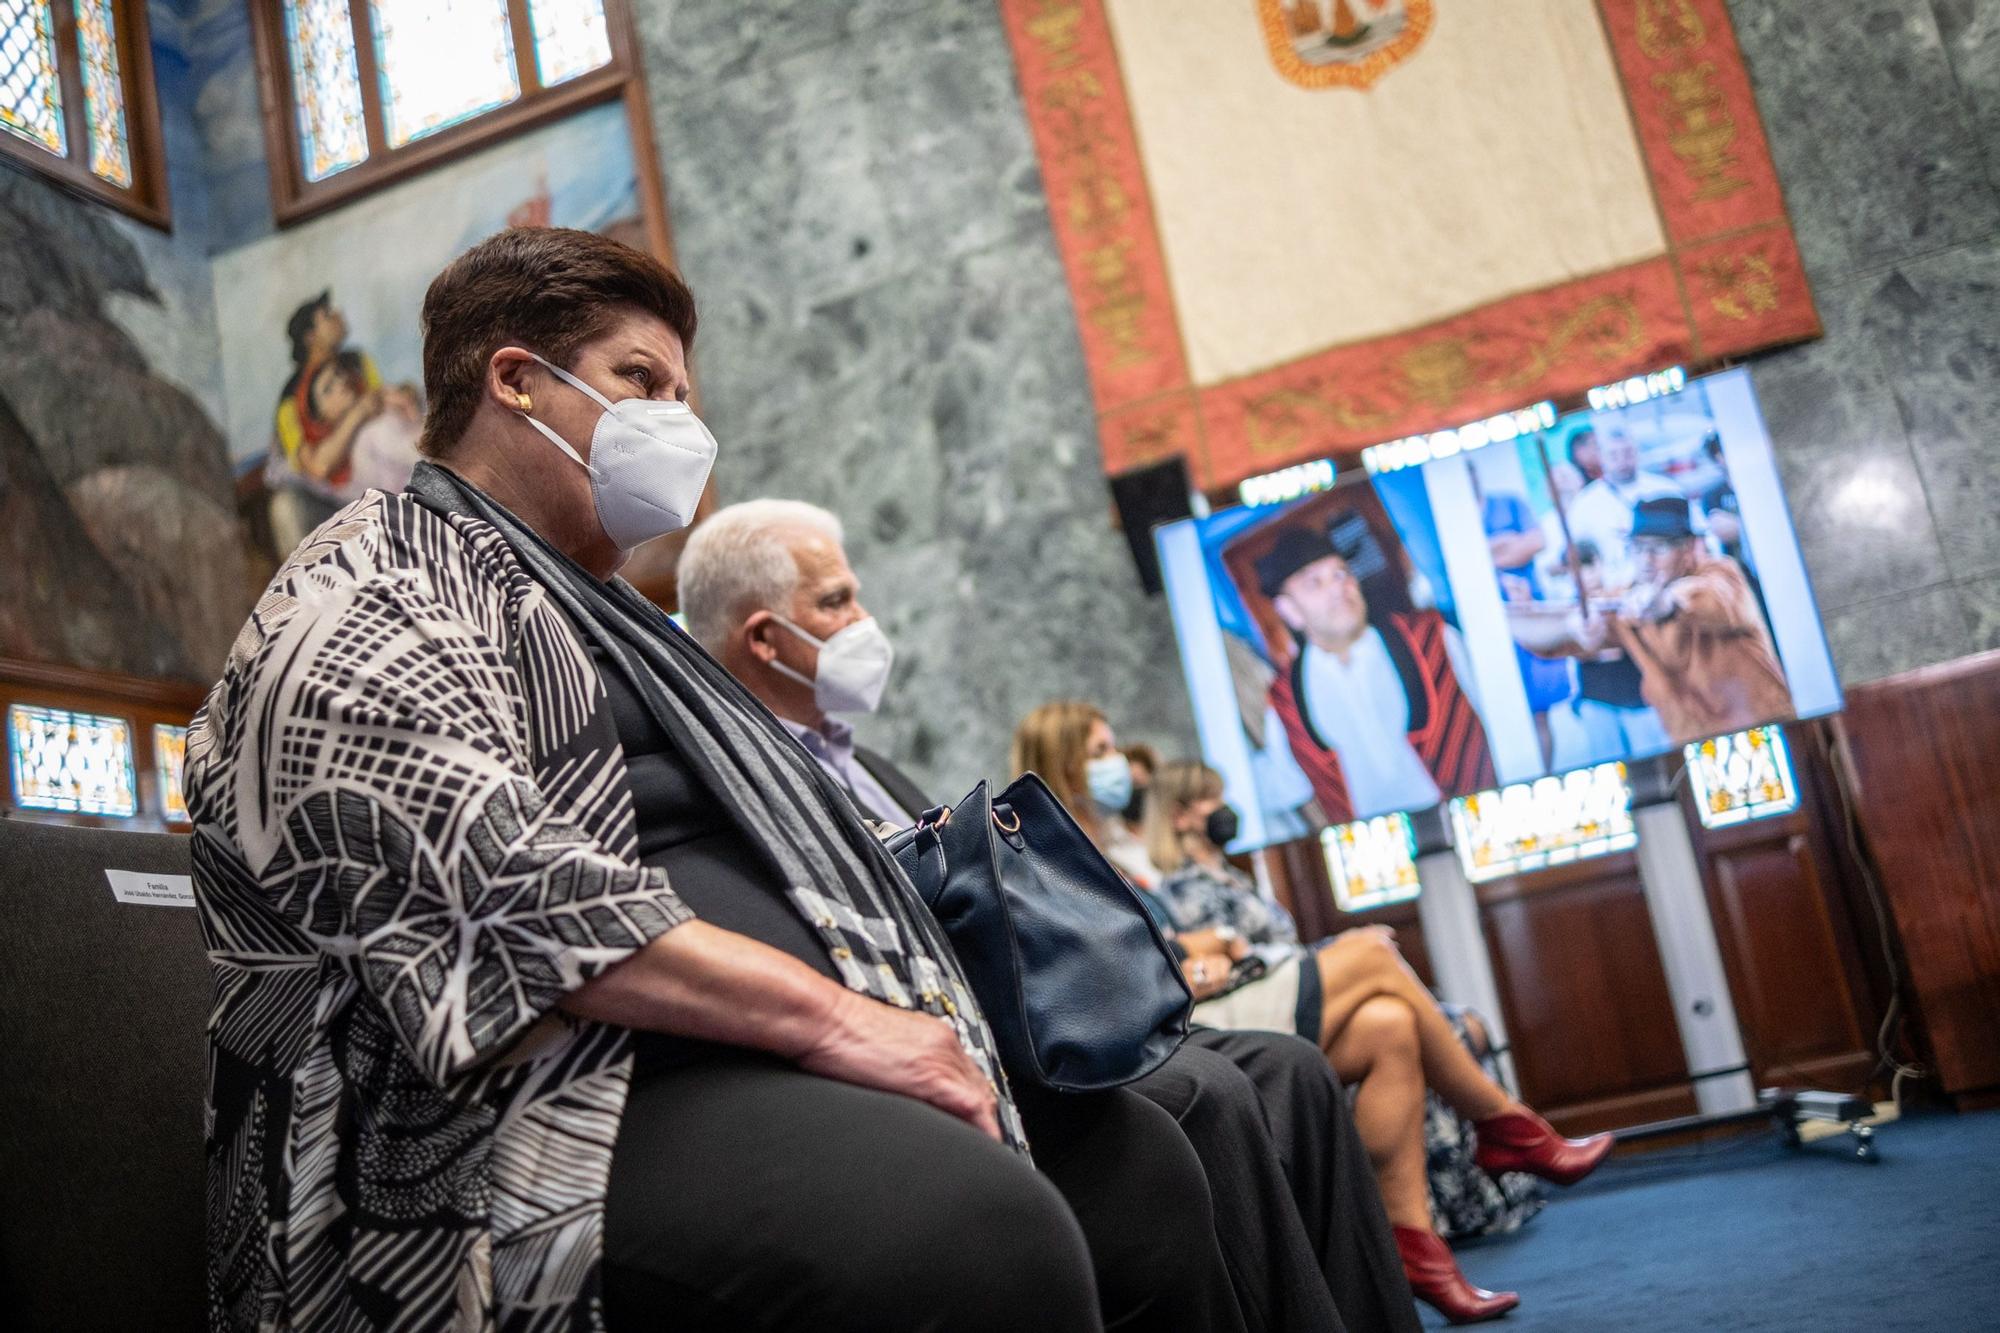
(103, 1008)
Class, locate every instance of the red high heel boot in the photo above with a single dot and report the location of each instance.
(1436, 1281)
(1520, 1140)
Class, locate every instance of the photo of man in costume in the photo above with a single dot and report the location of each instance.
(1372, 708)
(1689, 622)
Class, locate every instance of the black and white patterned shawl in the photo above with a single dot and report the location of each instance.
(414, 835)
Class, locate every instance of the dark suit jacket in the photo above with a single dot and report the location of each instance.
(894, 781)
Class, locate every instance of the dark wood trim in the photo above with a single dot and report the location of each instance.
(277, 111)
(295, 199)
(367, 73)
(146, 198)
(69, 77)
(1554, 879)
(1623, 1109)
(435, 150)
(139, 701)
(645, 149)
(1918, 748)
(527, 69)
(1937, 673)
(139, 691)
(150, 200)
(654, 566)
(1817, 750)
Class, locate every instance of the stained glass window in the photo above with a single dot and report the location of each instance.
(103, 91)
(79, 763)
(170, 747)
(1372, 862)
(571, 38)
(327, 86)
(1743, 776)
(438, 64)
(30, 87)
(1548, 822)
(442, 61)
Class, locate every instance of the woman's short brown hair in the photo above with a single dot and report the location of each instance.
(548, 289)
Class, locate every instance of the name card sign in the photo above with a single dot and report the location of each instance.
(143, 887)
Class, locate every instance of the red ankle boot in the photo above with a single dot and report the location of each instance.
(1436, 1281)
(1520, 1140)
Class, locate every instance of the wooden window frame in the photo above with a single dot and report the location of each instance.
(295, 199)
(146, 197)
(140, 702)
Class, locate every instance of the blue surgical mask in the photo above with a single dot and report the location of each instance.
(1109, 777)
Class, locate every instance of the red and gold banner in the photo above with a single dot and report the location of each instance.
(1296, 228)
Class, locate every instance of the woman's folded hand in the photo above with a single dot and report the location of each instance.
(1206, 973)
(874, 1045)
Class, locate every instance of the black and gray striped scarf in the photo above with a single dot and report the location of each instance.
(881, 939)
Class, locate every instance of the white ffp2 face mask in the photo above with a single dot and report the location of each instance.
(649, 463)
(853, 666)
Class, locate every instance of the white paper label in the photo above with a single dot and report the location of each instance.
(137, 886)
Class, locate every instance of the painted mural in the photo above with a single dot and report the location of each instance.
(115, 492)
(318, 324)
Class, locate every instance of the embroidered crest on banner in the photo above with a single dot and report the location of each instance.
(1343, 43)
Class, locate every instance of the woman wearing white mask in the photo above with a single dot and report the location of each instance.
(554, 984)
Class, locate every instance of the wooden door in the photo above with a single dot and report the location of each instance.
(1584, 995)
(1789, 943)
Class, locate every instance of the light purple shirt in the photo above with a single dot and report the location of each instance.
(833, 746)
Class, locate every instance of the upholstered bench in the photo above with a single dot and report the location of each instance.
(104, 996)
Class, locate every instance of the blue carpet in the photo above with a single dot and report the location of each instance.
(1748, 1235)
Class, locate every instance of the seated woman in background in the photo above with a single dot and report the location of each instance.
(1187, 827)
(1353, 996)
(1385, 1034)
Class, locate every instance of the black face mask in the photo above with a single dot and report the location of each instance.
(1222, 826)
(1135, 809)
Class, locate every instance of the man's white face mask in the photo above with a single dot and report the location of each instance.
(649, 463)
(853, 666)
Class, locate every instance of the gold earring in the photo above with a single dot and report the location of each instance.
(523, 401)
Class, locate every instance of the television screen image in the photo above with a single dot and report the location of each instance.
(1615, 586)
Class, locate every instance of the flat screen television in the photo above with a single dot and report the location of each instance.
(1607, 586)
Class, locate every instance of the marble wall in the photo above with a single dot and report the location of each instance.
(1884, 118)
(886, 331)
(855, 199)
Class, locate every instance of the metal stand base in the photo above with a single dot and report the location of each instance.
(1786, 1109)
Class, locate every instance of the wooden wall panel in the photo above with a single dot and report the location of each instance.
(1584, 995)
(1923, 749)
(1792, 965)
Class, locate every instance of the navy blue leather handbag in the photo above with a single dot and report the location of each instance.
(1080, 988)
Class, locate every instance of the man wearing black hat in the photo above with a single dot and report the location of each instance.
(1691, 624)
(1372, 706)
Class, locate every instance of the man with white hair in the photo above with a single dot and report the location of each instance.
(765, 586)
